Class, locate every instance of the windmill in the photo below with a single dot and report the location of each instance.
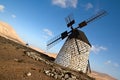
(74, 54)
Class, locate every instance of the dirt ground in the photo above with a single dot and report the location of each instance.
(15, 65)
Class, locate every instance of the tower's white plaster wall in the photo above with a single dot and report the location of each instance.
(71, 58)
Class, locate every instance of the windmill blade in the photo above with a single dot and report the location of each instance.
(56, 39)
(93, 18)
(97, 16)
(53, 41)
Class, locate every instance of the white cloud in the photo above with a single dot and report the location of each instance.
(97, 49)
(2, 7)
(65, 3)
(48, 32)
(87, 6)
(13, 16)
(110, 63)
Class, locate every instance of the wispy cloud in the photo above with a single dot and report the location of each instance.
(65, 3)
(48, 32)
(2, 7)
(13, 16)
(45, 37)
(110, 63)
(96, 49)
(87, 6)
(116, 64)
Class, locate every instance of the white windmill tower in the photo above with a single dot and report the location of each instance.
(74, 54)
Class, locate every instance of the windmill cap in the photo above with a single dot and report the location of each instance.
(78, 34)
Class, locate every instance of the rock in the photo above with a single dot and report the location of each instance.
(35, 56)
(51, 74)
(16, 60)
(55, 76)
(60, 74)
(72, 76)
(60, 77)
(29, 74)
(53, 70)
(71, 79)
(47, 71)
(63, 79)
(66, 76)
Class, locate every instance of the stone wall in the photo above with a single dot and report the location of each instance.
(72, 57)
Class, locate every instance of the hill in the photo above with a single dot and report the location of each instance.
(8, 32)
(20, 62)
(101, 76)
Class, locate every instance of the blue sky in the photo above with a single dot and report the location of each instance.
(37, 21)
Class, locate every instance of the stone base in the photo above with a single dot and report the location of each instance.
(72, 57)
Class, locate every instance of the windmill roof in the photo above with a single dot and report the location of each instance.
(79, 35)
